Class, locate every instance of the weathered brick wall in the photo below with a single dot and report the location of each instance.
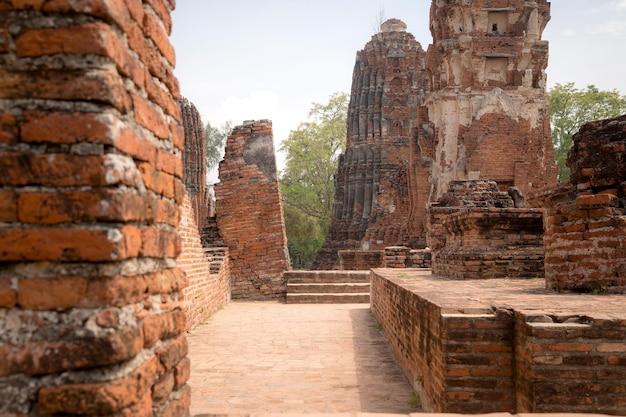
(570, 363)
(497, 128)
(475, 233)
(91, 319)
(194, 162)
(586, 220)
(360, 260)
(250, 214)
(371, 206)
(459, 362)
(405, 257)
(492, 243)
(508, 347)
(209, 278)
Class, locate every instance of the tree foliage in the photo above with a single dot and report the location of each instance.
(215, 141)
(307, 183)
(571, 107)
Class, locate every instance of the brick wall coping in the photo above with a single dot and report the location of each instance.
(519, 294)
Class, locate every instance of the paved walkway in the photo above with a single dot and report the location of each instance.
(269, 357)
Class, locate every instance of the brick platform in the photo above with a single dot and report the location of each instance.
(503, 345)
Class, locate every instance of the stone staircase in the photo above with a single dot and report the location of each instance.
(310, 287)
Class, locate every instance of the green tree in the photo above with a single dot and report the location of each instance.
(571, 107)
(215, 141)
(307, 183)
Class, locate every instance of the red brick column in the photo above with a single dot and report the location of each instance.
(90, 149)
(250, 213)
(586, 220)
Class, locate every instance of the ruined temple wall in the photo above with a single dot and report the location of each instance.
(474, 349)
(492, 243)
(250, 214)
(475, 232)
(194, 162)
(209, 285)
(569, 363)
(486, 115)
(458, 361)
(586, 219)
(91, 318)
(371, 188)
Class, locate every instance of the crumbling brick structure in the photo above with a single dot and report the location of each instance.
(474, 107)
(207, 270)
(371, 188)
(503, 345)
(205, 263)
(91, 182)
(475, 232)
(250, 213)
(194, 162)
(586, 218)
(486, 115)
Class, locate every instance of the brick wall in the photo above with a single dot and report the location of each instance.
(360, 260)
(458, 361)
(503, 345)
(492, 243)
(250, 214)
(90, 145)
(194, 162)
(475, 233)
(570, 363)
(586, 220)
(209, 278)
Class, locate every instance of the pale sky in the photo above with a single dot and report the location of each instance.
(270, 59)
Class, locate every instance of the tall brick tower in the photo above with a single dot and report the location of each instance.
(371, 188)
(486, 116)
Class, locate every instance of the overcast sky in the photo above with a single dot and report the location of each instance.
(270, 59)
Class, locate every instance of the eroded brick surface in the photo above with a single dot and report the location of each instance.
(503, 345)
(586, 219)
(476, 233)
(91, 184)
(250, 215)
(371, 194)
(473, 107)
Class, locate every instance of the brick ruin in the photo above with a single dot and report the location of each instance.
(474, 107)
(250, 214)
(91, 317)
(503, 345)
(586, 218)
(476, 232)
(485, 331)
(204, 259)
(102, 268)
(194, 162)
(487, 110)
(486, 115)
(372, 204)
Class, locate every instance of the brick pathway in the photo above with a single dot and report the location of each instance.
(294, 358)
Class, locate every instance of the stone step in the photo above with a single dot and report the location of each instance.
(317, 298)
(325, 287)
(310, 277)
